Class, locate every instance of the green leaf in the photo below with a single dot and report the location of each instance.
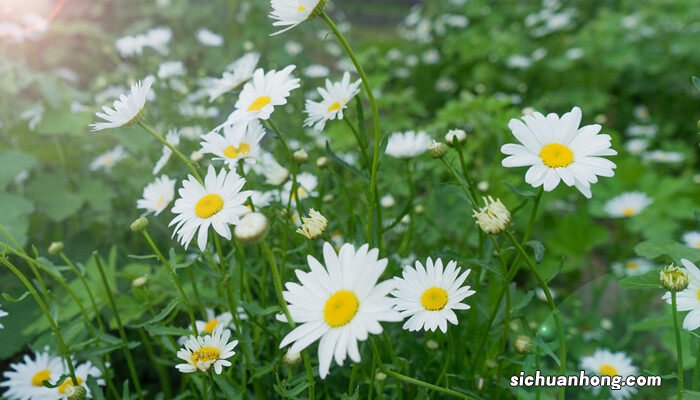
(225, 386)
(161, 315)
(158, 330)
(61, 122)
(53, 196)
(95, 389)
(15, 299)
(345, 165)
(667, 248)
(518, 191)
(647, 280)
(12, 163)
(537, 249)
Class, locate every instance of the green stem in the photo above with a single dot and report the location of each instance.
(360, 143)
(54, 327)
(679, 347)
(552, 305)
(173, 148)
(120, 327)
(464, 186)
(414, 381)
(176, 281)
(77, 272)
(696, 372)
(373, 195)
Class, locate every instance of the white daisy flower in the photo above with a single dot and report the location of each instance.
(633, 266)
(262, 199)
(339, 303)
(235, 75)
(236, 143)
(158, 39)
(306, 186)
(127, 109)
(82, 372)
(692, 239)
(172, 137)
(627, 204)
(214, 320)
(24, 380)
(129, 46)
(407, 144)
(209, 38)
(157, 195)
(274, 173)
(428, 295)
(316, 71)
(218, 203)
(171, 69)
(605, 362)
(203, 352)
(689, 298)
(556, 149)
(260, 96)
(335, 96)
(108, 160)
(290, 13)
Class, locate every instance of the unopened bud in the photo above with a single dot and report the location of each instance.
(380, 376)
(322, 162)
(523, 344)
(75, 392)
(55, 248)
(292, 359)
(300, 156)
(139, 225)
(314, 225)
(493, 218)
(674, 279)
(252, 228)
(431, 344)
(140, 281)
(437, 149)
(455, 137)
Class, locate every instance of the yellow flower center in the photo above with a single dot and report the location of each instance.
(698, 294)
(697, 244)
(340, 308)
(609, 370)
(209, 205)
(259, 103)
(205, 354)
(632, 265)
(301, 8)
(41, 376)
(235, 152)
(334, 107)
(628, 212)
(555, 155)
(210, 326)
(68, 383)
(434, 299)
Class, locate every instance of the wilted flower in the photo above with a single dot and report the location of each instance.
(494, 217)
(314, 225)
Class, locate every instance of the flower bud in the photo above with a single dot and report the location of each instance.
(139, 225)
(493, 218)
(75, 392)
(252, 228)
(523, 344)
(380, 376)
(300, 156)
(291, 359)
(674, 279)
(322, 162)
(196, 156)
(387, 201)
(431, 344)
(455, 137)
(314, 225)
(140, 281)
(419, 209)
(55, 248)
(437, 149)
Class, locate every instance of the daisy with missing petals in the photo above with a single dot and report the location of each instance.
(157, 195)
(82, 372)
(218, 203)
(127, 110)
(556, 149)
(236, 143)
(689, 298)
(290, 13)
(627, 204)
(692, 239)
(235, 75)
(25, 379)
(214, 320)
(335, 96)
(108, 160)
(604, 362)
(407, 144)
(634, 266)
(203, 352)
(428, 295)
(260, 96)
(339, 303)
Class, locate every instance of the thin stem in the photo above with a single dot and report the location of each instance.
(173, 148)
(77, 272)
(54, 327)
(360, 143)
(552, 305)
(696, 372)
(176, 281)
(372, 201)
(679, 347)
(120, 327)
(414, 381)
(464, 186)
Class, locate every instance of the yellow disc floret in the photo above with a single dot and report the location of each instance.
(259, 103)
(209, 205)
(41, 376)
(204, 354)
(555, 155)
(235, 152)
(434, 299)
(609, 370)
(340, 308)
